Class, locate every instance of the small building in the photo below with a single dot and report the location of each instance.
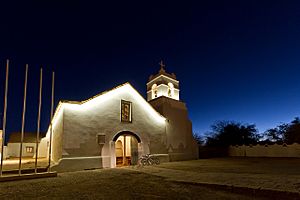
(116, 127)
(28, 146)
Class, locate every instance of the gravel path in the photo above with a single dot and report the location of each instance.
(119, 183)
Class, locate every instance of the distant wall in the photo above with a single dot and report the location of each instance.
(212, 152)
(274, 150)
(13, 150)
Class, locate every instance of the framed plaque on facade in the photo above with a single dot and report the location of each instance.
(126, 111)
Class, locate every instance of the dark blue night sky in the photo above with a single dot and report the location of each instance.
(235, 60)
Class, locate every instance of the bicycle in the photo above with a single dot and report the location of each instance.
(149, 159)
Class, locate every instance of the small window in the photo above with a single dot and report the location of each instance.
(101, 139)
(126, 111)
(29, 149)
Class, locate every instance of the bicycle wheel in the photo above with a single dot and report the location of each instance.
(157, 161)
(150, 161)
(144, 162)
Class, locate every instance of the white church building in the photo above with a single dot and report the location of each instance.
(116, 127)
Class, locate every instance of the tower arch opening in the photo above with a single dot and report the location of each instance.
(170, 89)
(154, 90)
(163, 84)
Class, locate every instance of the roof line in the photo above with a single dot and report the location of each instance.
(95, 96)
(61, 102)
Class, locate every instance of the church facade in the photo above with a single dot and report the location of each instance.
(118, 126)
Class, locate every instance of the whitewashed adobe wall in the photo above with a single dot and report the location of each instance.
(57, 137)
(274, 150)
(5, 156)
(43, 148)
(77, 125)
(83, 123)
(13, 149)
(57, 134)
(180, 141)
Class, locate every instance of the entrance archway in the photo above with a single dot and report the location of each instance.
(126, 148)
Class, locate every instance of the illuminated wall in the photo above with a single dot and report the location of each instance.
(77, 124)
(180, 141)
(13, 150)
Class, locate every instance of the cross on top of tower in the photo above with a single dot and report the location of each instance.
(162, 65)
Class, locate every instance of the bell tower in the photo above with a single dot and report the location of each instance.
(162, 84)
(163, 96)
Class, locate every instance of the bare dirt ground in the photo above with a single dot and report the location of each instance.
(119, 183)
(282, 174)
(175, 180)
(27, 163)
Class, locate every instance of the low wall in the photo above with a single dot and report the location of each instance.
(212, 152)
(96, 162)
(81, 163)
(13, 150)
(181, 157)
(274, 150)
(163, 157)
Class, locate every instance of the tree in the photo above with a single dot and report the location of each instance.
(288, 133)
(272, 135)
(292, 133)
(225, 133)
(199, 139)
(276, 134)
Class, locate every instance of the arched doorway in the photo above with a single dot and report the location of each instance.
(126, 148)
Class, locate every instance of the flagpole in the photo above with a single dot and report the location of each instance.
(4, 116)
(51, 124)
(23, 119)
(38, 122)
